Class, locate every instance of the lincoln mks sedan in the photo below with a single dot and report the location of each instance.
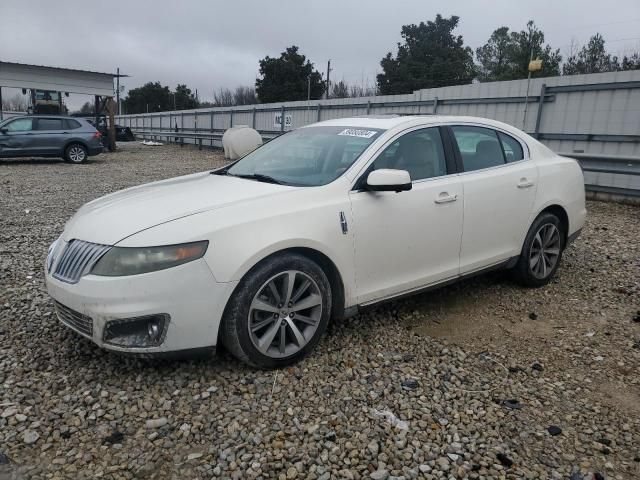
(327, 219)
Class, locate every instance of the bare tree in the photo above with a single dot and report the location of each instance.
(223, 98)
(362, 91)
(245, 96)
(17, 103)
(340, 90)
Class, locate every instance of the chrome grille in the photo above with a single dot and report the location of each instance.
(77, 259)
(75, 320)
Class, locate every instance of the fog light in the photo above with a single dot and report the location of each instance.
(153, 331)
(141, 332)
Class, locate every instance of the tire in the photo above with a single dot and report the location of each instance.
(76, 153)
(256, 316)
(534, 269)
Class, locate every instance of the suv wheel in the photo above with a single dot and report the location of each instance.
(75, 153)
(542, 251)
(278, 312)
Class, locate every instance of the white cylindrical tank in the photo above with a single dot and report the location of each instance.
(240, 140)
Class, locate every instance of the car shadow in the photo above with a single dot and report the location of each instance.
(30, 161)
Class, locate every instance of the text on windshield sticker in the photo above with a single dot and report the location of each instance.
(354, 132)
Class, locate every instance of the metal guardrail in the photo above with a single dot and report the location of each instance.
(620, 165)
(590, 162)
(180, 136)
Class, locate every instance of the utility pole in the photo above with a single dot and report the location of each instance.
(308, 88)
(328, 73)
(118, 89)
(526, 98)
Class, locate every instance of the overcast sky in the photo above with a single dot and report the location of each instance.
(209, 44)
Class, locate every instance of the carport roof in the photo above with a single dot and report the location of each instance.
(22, 75)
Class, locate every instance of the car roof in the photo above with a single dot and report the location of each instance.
(48, 116)
(386, 122)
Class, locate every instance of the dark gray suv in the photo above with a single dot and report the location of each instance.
(73, 139)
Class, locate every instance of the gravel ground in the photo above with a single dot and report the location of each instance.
(479, 380)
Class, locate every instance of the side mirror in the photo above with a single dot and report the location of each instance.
(387, 180)
(4, 130)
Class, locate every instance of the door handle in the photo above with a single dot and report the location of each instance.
(444, 197)
(524, 183)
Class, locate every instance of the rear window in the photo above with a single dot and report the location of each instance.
(479, 147)
(511, 147)
(49, 124)
(71, 124)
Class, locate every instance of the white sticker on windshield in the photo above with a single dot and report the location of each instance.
(354, 132)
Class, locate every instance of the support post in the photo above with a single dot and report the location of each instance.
(319, 108)
(543, 89)
(111, 110)
(97, 110)
(231, 118)
(282, 119)
(0, 104)
(253, 118)
(435, 105)
(368, 106)
(118, 89)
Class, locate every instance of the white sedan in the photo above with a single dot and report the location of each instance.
(329, 218)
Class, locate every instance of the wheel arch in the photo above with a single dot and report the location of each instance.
(327, 265)
(560, 212)
(72, 141)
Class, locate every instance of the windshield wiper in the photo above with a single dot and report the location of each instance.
(260, 177)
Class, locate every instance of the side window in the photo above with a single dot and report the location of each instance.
(71, 124)
(512, 148)
(20, 125)
(48, 124)
(479, 147)
(419, 152)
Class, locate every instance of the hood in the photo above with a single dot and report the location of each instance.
(112, 218)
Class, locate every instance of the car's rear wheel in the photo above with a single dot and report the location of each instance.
(542, 251)
(75, 153)
(278, 312)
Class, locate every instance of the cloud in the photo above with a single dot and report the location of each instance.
(208, 44)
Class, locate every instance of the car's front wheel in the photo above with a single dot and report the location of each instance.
(542, 251)
(75, 153)
(278, 312)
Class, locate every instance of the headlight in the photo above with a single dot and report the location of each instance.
(51, 253)
(121, 261)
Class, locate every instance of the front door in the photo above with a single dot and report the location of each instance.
(499, 191)
(407, 240)
(16, 138)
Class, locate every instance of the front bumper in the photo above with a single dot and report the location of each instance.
(188, 294)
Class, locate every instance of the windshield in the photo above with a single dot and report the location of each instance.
(309, 156)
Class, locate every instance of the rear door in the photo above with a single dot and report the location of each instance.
(50, 135)
(16, 138)
(499, 183)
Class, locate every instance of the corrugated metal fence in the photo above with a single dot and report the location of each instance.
(595, 115)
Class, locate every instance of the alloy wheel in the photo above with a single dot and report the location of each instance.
(76, 154)
(545, 251)
(285, 314)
